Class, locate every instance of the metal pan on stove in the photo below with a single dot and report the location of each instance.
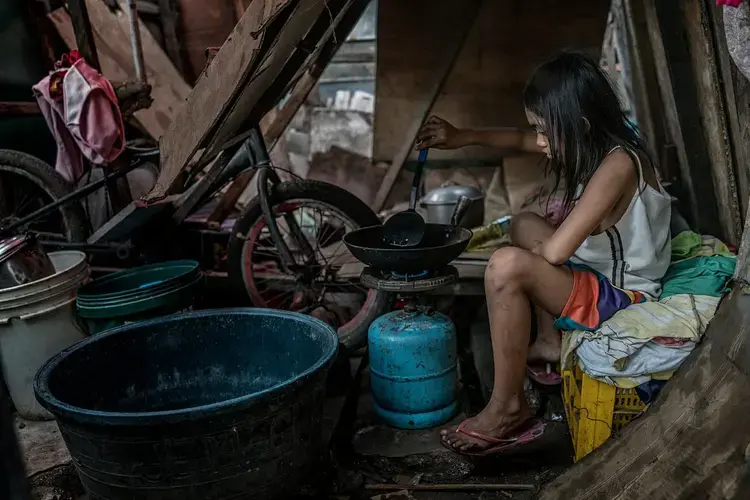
(441, 244)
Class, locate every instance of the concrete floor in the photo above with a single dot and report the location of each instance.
(383, 454)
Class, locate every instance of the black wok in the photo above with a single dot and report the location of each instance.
(440, 244)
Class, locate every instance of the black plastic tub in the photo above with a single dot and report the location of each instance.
(221, 404)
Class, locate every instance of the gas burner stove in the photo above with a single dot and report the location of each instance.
(424, 281)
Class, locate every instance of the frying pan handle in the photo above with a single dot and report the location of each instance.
(462, 205)
(417, 179)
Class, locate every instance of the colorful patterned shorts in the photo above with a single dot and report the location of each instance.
(593, 300)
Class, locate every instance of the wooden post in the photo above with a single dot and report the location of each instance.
(309, 79)
(453, 50)
(735, 91)
(169, 22)
(742, 271)
(646, 97)
(350, 12)
(79, 15)
(714, 119)
(231, 87)
(677, 82)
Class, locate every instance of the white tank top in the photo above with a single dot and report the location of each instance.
(634, 253)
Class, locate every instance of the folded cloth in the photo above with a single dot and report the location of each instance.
(669, 329)
(690, 244)
(699, 276)
(650, 340)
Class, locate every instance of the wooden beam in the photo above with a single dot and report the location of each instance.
(229, 199)
(317, 65)
(742, 271)
(646, 99)
(346, 14)
(168, 87)
(79, 15)
(18, 108)
(170, 17)
(680, 97)
(713, 119)
(693, 441)
(230, 88)
(452, 50)
(735, 91)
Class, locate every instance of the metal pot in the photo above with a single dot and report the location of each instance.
(440, 203)
(22, 260)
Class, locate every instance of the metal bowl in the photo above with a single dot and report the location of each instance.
(22, 260)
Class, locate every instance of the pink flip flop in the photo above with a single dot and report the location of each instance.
(526, 433)
(549, 377)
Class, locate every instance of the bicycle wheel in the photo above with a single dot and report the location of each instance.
(27, 184)
(324, 213)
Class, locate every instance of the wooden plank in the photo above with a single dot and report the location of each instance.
(245, 61)
(229, 198)
(470, 266)
(11, 108)
(83, 32)
(275, 72)
(304, 85)
(453, 49)
(277, 120)
(742, 271)
(679, 94)
(111, 32)
(692, 442)
(646, 99)
(735, 90)
(714, 120)
(169, 23)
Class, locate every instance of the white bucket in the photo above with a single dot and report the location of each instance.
(37, 321)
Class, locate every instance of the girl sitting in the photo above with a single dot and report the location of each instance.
(611, 250)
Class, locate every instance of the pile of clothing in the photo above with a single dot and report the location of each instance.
(641, 346)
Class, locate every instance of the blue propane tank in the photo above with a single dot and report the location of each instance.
(413, 368)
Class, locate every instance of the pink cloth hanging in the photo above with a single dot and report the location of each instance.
(728, 3)
(81, 110)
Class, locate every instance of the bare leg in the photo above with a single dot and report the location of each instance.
(546, 347)
(528, 228)
(514, 279)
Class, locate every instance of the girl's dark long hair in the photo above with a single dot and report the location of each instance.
(582, 118)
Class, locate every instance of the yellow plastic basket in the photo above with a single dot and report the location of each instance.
(595, 409)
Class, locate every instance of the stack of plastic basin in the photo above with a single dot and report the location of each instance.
(37, 321)
(137, 294)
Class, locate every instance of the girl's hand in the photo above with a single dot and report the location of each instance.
(438, 133)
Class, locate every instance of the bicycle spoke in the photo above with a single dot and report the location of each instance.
(323, 228)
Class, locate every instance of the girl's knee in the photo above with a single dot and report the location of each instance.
(507, 266)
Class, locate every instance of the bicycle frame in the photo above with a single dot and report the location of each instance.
(250, 154)
(253, 154)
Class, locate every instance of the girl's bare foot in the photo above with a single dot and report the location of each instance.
(495, 421)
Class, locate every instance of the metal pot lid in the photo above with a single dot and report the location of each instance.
(449, 195)
(9, 246)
